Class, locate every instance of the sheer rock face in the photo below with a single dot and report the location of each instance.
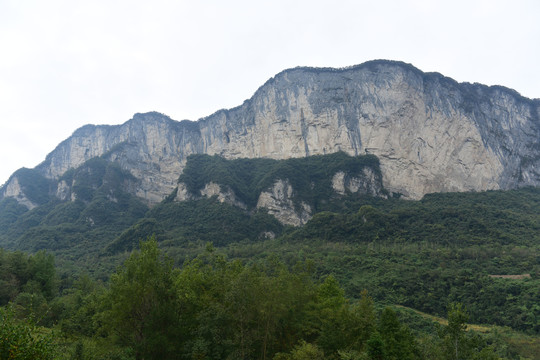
(278, 200)
(430, 133)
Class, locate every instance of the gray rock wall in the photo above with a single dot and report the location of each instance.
(430, 133)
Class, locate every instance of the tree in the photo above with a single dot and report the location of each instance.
(455, 343)
(375, 347)
(243, 312)
(399, 343)
(43, 272)
(207, 321)
(361, 321)
(331, 315)
(78, 305)
(141, 304)
(303, 351)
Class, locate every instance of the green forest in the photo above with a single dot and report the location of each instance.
(214, 308)
(451, 276)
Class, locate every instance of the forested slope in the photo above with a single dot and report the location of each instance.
(423, 254)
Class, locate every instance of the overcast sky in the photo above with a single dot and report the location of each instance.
(66, 63)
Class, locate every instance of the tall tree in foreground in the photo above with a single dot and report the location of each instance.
(457, 343)
(141, 303)
(399, 343)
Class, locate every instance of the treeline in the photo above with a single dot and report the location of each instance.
(460, 219)
(213, 308)
(421, 254)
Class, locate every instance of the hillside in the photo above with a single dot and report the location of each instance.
(99, 212)
(422, 254)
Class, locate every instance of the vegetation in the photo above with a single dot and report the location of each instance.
(214, 308)
(21, 340)
(441, 249)
(23, 276)
(34, 185)
(311, 177)
(341, 287)
(77, 230)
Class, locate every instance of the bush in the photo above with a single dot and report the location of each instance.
(21, 340)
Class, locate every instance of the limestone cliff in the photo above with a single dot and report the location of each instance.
(430, 133)
(279, 202)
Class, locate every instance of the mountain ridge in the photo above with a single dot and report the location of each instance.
(431, 133)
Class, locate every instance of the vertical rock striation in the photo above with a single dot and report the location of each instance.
(430, 133)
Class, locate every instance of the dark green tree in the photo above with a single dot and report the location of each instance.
(330, 313)
(375, 347)
(361, 321)
(399, 343)
(42, 268)
(141, 305)
(456, 345)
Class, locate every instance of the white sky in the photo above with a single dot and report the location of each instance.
(66, 63)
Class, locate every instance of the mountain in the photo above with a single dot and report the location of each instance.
(363, 173)
(430, 133)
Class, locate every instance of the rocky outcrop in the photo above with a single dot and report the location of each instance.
(278, 201)
(223, 194)
(430, 133)
(14, 189)
(365, 183)
(64, 191)
(183, 194)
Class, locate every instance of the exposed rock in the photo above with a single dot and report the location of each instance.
(278, 200)
(150, 146)
(267, 235)
(182, 193)
(430, 133)
(13, 189)
(365, 183)
(211, 189)
(227, 196)
(64, 192)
